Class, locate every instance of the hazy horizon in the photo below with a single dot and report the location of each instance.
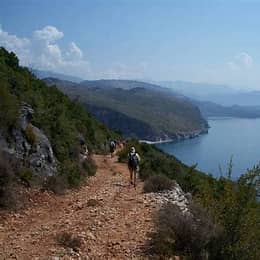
(213, 42)
(151, 81)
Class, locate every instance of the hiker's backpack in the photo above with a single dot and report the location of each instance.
(112, 144)
(132, 160)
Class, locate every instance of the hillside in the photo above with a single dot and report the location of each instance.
(163, 116)
(42, 132)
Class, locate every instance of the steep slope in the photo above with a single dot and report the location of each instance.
(166, 116)
(39, 124)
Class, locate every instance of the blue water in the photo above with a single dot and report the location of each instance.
(228, 137)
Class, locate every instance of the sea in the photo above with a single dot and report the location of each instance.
(230, 141)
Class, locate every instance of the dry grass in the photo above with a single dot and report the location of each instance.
(69, 240)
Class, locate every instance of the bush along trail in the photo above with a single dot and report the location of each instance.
(105, 219)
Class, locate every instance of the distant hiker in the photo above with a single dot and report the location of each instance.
(83, 148)
(112, 147)
(133, 165)
(120, 144)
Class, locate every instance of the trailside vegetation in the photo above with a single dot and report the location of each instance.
(232, 207)
(61, 120)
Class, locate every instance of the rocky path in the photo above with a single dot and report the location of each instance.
(111, 218)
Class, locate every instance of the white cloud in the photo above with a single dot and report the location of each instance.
(42, 51)
(48, 33)
(241, 61)
(74, 51)
(14, 43)
(245, 59)
(233, 66)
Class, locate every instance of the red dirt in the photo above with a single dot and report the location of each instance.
(117, 227)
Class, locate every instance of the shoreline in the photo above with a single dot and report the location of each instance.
(178, 137)
(157, 142)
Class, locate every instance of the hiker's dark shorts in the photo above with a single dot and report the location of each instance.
(131, 168)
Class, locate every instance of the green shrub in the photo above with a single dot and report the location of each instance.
(8, 197)
(57, 184)
(26, 175)
(89, 166)
(71, 170)
(6, 176)
(235, 207)
(158, 183)
(187, 235)
(8, 107)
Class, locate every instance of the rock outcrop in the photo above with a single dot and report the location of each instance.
(30, 145)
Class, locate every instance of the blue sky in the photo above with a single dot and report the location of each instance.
(200, 41)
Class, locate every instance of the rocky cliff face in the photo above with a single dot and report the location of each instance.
(29, 145)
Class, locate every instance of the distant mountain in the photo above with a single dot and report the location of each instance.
(146, 110)
(53, 81)
(123, 84)
(41, 74)
(207, 108)
(210, 109)
(250, 98)
(196, 90)
(219, 94)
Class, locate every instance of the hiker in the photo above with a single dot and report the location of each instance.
(133, 165)
(112, 147)
(83, 152)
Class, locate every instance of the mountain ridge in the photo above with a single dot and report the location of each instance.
(41, 74)
(208, 108)
(217, 93)
(169, 116)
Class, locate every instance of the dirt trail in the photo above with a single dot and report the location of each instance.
(116, 228)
